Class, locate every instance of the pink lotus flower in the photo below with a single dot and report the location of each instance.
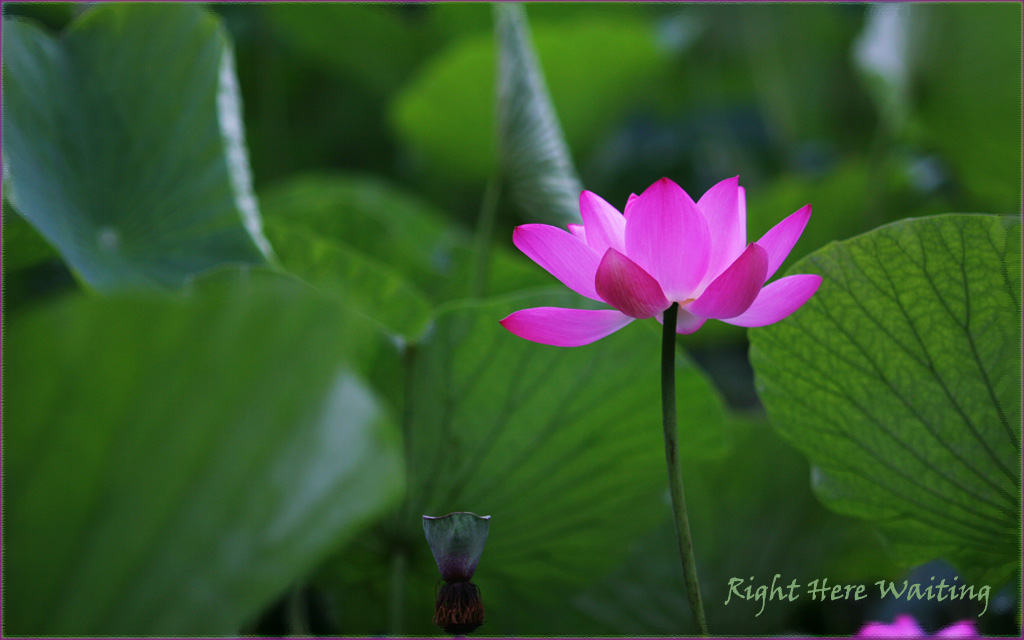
(665, 249)
(904, 626)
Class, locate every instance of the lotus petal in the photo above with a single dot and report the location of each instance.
(667, 235)
(778, 300)
(732, 292)
(561, 254)
(565, 327)
(628, 288)
(606, 228)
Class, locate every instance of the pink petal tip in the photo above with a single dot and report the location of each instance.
(564, 327)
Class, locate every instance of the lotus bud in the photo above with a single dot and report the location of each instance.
(457, 541)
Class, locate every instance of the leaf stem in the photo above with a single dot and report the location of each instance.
(675, 473)
(298, 620)
(484, 230)
(397, 604)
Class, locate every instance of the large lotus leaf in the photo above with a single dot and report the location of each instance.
(900, 381)
(124, 144)
(562, 447)
(372, 217)
(172, 466)
(392, 228)
(376, 289)
(761, 485)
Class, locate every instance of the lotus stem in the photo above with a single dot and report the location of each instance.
(298, 619)
(396, 608)
(675, 472)
(484, 230)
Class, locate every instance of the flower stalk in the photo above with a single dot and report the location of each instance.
(675, 474)
(484, 230)
(661, 249)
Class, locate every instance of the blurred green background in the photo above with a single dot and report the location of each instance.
(785, 96)
(371, 135)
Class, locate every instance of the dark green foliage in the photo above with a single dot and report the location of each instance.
(231, 452)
